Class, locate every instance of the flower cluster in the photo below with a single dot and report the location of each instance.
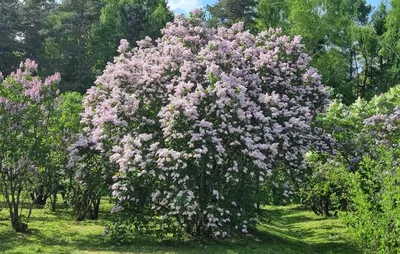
(25, 102)
(34, 90)
(199, 120)
(384, 128)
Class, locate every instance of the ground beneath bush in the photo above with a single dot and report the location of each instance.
(282, 230)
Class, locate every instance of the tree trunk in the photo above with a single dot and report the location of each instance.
(351, 66)
(16, 223)
(326, 207)
(381, 72)
(41, 199)
(54, 202)
(82, 205)
(94, 212)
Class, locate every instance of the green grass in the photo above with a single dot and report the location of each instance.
(282, 230)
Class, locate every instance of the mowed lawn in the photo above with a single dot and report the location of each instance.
(282, 230)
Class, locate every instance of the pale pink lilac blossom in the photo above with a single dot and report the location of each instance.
(202, 104)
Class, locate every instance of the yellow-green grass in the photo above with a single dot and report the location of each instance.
(282, 230)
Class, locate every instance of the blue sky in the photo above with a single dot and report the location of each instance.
(184, 6)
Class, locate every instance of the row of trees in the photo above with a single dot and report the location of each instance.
(75, 37)
(354, 47)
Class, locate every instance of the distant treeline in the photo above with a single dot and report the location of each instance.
(354, 46)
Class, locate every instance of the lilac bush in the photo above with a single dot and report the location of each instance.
(89, 179)
(199, 121)
(25, 104)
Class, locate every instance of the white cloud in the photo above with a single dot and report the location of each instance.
(184, 6)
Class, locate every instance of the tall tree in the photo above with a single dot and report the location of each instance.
(34, 17)
(21, 25)
(378, 19)
(326, 28)
(391, 40)
(366, 46)
(67, 42)
(329, 35)
(272, 13)
(378, 22)
(125, 19)
(10, 43)
(227, 12)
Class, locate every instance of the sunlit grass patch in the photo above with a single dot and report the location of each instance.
(282, 230)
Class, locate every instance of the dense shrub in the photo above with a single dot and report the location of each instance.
(374, 215)
(361, 175)
(351, 139)
(89, 178)
(200, 121)
(326, 189)
(374, 218)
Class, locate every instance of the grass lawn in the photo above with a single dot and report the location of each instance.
(283, 230)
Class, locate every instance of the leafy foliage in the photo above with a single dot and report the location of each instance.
(9, 27)
(131, 20)
(67, 42)
(374, 218)
(360, 176)
(228, 12)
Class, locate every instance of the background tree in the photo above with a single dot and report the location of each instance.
(67, 42)
(125, 19)
(378, 22)
(10, 44)
(331, 32)
(21, 36)
(272, 14)
(34, 18)
(228, 12)
(326, 27)
(391, 41)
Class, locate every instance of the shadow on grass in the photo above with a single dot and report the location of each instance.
(278, 233)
